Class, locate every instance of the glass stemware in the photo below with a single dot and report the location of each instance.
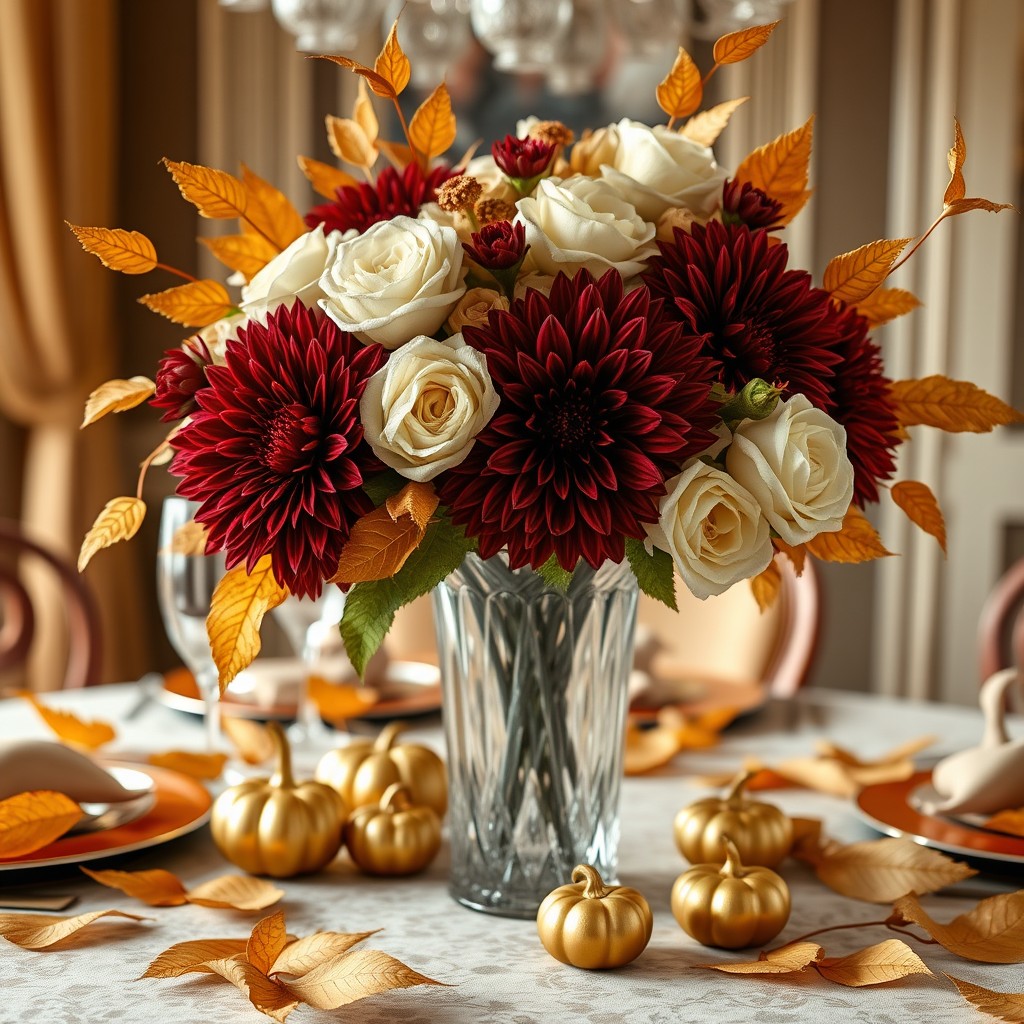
(185, 585)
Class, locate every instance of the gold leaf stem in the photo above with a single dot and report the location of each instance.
(917, 245)
(174, 270)
(863, 924)
(148, 461)
(420, 159)
(707, 78)
(259, 231)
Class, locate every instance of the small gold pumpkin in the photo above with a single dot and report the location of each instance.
(730, 906)
(276, 826)
(592, 925)
(761, 832)
(363, 770)
(394, 836)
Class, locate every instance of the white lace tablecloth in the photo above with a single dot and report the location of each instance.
(498, 970)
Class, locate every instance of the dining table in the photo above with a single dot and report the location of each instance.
(495, 969)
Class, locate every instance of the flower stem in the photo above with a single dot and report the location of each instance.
(175, 271)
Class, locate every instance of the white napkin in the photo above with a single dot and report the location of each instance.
(40, 764)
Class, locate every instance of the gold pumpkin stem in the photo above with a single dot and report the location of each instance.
(396, 797)
(283, 777)
(388, 735)
(594, 887)
(735, 792)
(733, 866)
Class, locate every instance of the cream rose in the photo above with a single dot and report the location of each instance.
(794, 462)
(292, 274)
(399, 279)
(713, 528)
(583, 223)
(474, 307)
(424, 408)
(217, 335)
(653, 168)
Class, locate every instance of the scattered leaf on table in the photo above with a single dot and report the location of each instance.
(119, 520)
(1008, 821)
(267, 942)
(192, 957)
(1008, 1006)
(156, 887)
(116, 396)
(808, 839)
(896, 755)
(352, 976)
(881, 870)
(30, 821)
(674, 731)
(235, 892)
(267, 996)
(991, 933)
(72, 729)
(338, 702)
(887, 961)
(251, 739)
(791, 959)
(301, 956)
(44, 931)
(199, 766)
(647, 749)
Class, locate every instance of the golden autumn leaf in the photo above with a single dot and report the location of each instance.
(325, 179)
(1011, 822)
(432, 128)
(267, 996)
(246, 253)
(380, 85)
(921, 507)
(217, 195)
(156, 887)
(71, 729)
(896, 755)
(44, 931)
(857, 541)
(882, 870)
(398, 154)
(951, 405)
(240, 600)
(192, 957)
(199, 766)
(705, 127)
(117, 396)
(270, 212)
(301, 956)
(29, 821)
(737, 46)
(195, 304)
(355, 975)
(267, 942)
(251, 739)
(791, 959)
(649, 748)
(190, 539)
(991, 933)
(797, 554)
(876, 965)
(338, 702)
(680, 92)
(363, 114)
(885, 304)
(130, 252)
(119, 520)
(808, 840)
(1007, 1006)
(957, 187)
(780, 169)
(349, 142)
(959, 206)
(377, 547)
(392, 64)
(853, 276)
(235, 892)
(766, 586)
(417, 501)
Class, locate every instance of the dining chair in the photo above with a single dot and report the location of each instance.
(1001, 624)
(18, 617)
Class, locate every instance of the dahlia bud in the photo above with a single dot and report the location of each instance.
(523, 160)
(180, 374)
(756, 401)
(460, 193)
(498, 246)
(743, 203)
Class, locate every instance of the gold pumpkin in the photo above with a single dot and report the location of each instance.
(394, 836)
(730, 906)
(762, 833)
(276, 826)
(592, 925)
(363, 770)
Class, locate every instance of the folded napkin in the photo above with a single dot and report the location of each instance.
(40, 764)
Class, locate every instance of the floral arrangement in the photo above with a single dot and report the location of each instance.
(564, 350)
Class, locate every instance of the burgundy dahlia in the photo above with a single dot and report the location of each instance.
(392, 195)
(743, 203)
(522, 158)
(276, 452)
(497, 246)
(731, 291)
(180, 374)
(602, 400)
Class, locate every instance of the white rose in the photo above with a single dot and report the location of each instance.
(713, 528)
(474, 308)
(292, 274)
(655, 169)
(583, 223)
(794, 462)
(424, 408)
(400, 278)
(492, 178)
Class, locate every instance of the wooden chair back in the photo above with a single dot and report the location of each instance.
(1001, 624)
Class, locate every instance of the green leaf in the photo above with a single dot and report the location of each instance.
(379, 488)
(370, 607)
(554, 575)
(654, 573)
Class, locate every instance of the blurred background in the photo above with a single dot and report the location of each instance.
(94, 92)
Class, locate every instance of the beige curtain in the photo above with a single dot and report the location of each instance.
(58, 81)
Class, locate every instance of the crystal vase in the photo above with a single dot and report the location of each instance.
(534, 682)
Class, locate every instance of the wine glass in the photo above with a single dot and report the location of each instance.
(185, 584)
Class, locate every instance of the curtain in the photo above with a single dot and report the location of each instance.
(58, 92)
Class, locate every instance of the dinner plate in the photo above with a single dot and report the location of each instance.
(889, 808)
(180, 806)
